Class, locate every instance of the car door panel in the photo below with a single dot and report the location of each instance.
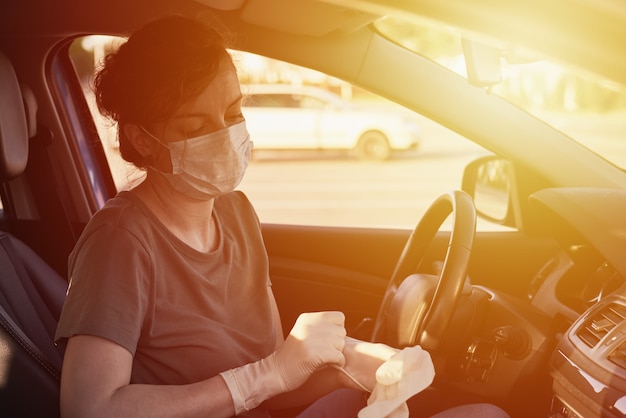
(347, 269)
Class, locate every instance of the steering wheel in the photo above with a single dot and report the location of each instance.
(417, 308)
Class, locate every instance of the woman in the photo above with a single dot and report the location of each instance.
(170, 310)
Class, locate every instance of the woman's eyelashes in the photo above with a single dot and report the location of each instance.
(194, 128)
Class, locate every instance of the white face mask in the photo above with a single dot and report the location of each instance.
(209, 165)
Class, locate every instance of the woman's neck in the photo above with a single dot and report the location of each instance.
(188, 219)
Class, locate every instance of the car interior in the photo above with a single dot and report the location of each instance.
(32, 291)
(531, 318)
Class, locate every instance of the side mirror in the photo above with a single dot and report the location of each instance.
(490, 182)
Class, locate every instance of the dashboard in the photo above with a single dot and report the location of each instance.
(589, 364)
(583, 288)
(563, 348)
(587, 297)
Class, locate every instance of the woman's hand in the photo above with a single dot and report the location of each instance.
(315, 341)
(362, 360)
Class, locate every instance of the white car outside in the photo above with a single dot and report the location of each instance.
(306, 117)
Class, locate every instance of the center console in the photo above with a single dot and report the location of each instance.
(588, 366)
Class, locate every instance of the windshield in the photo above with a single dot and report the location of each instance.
(586, 107)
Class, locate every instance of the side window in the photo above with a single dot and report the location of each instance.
(363, 162)
(310, 102)
(87, 54)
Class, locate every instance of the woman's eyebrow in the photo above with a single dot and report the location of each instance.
(203, 114)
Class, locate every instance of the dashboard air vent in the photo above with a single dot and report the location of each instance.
(618, 356)
(597, 325)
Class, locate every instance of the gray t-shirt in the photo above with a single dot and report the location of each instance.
(185, 315)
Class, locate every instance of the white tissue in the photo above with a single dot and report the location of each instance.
(405, 374)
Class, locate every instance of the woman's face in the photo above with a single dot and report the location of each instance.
(216, 108)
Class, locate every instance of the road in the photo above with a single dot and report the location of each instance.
(333, 189)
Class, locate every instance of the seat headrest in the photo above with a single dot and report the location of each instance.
(13, 128)
(30, 107)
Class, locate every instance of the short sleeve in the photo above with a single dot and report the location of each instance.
(109, 287)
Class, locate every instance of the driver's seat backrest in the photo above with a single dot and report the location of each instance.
(31, 292)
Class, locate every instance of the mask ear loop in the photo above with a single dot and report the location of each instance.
(154, 137)
(150, 161)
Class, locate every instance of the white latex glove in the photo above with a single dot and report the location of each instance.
(315, 341)
(405, 374)
(362, 360)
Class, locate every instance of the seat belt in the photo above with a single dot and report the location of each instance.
(22, 339)
(30, 363)
(24, 309)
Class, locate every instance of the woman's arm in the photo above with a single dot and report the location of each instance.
(362, 360)
(95, 382)
(96, 376)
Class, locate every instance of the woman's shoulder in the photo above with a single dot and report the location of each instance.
(123, 213)
(118, 208)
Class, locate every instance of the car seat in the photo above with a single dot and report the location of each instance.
(31, 292)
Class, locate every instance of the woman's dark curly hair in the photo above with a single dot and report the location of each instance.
(162, 65)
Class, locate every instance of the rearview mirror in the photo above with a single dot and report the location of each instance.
(482, 63)
(489, 181)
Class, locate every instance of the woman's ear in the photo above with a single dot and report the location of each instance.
(139, 139)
